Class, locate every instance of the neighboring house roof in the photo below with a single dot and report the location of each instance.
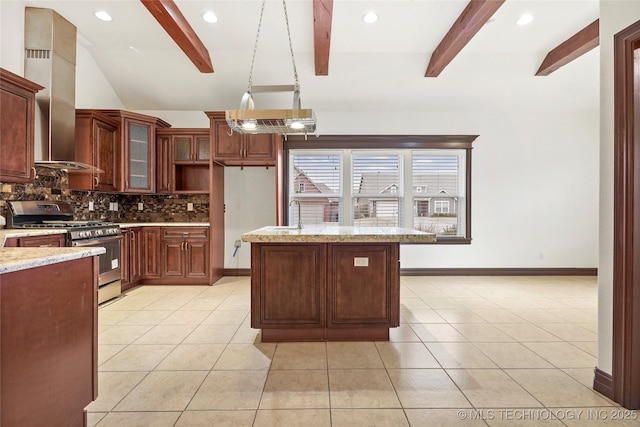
(381, 183)
(318, 186)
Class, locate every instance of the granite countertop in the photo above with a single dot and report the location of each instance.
(16, 259)
(28, 232)
(163, 224)
(333, 234)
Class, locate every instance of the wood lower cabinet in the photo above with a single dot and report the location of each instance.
(185, 254)
(325, 291)
(174, 255)
(44, 241)
(288, 285)
(151, 253)
(131, 266)
(49, 344)
(363, 285)
(17, 119)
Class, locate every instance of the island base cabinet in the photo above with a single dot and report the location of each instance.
(288, 286)
(363, 286)
(325, 291)
(48, 342)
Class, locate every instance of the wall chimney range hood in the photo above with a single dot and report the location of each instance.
(50, 60)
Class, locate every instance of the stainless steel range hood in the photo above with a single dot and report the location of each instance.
(50, 60)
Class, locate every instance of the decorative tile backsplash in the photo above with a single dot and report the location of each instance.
(53, 184)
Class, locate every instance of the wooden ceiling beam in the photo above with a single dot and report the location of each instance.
(322, 17)
(472, 18)
(176, 25)
(577, 45)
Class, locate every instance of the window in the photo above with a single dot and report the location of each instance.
(375, 195)
(317, 177)
(442, 206)
(413, 182)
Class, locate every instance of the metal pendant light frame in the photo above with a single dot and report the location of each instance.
(294, 121)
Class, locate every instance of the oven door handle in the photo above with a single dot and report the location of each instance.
(95, 242)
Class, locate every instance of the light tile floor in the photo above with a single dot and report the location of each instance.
(470, 351)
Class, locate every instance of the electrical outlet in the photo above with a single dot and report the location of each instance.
(189, 207)
(237, 244)
(91, 208)
(115, 206)
(360, 262)
(111, 206)
(140, 206)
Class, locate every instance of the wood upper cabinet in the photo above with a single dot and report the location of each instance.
(183, 160)
(164, 176)
(97, 144)
(191, 146)
(185, 253)
(17, 119)
(234, 149)
(137, 150)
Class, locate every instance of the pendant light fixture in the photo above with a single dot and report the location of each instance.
(295, 121)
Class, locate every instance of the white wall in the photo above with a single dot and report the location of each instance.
(250, 202)
(614, 17)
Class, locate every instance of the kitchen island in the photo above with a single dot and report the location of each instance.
(48, 335)
(327, 283)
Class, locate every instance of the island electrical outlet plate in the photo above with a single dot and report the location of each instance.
(360, 262)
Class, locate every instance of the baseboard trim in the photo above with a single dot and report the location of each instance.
(237, 272)
(603, 383)
(467, 272)
(499, 271)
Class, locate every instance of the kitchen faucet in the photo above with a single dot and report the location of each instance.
(299, 218)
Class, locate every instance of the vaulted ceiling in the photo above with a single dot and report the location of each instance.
(421, 55)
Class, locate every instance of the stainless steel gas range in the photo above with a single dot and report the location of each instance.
(57, 214)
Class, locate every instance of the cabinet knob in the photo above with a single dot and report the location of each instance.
(95, 181)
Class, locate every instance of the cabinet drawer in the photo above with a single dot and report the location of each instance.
(54, 240)
(185, 233)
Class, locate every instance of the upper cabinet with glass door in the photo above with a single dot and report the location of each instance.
(138, 148)
(191, 146)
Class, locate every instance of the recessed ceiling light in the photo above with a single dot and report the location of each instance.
(210, 17)
(103, 16)
(525, 19)
(370, 17)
